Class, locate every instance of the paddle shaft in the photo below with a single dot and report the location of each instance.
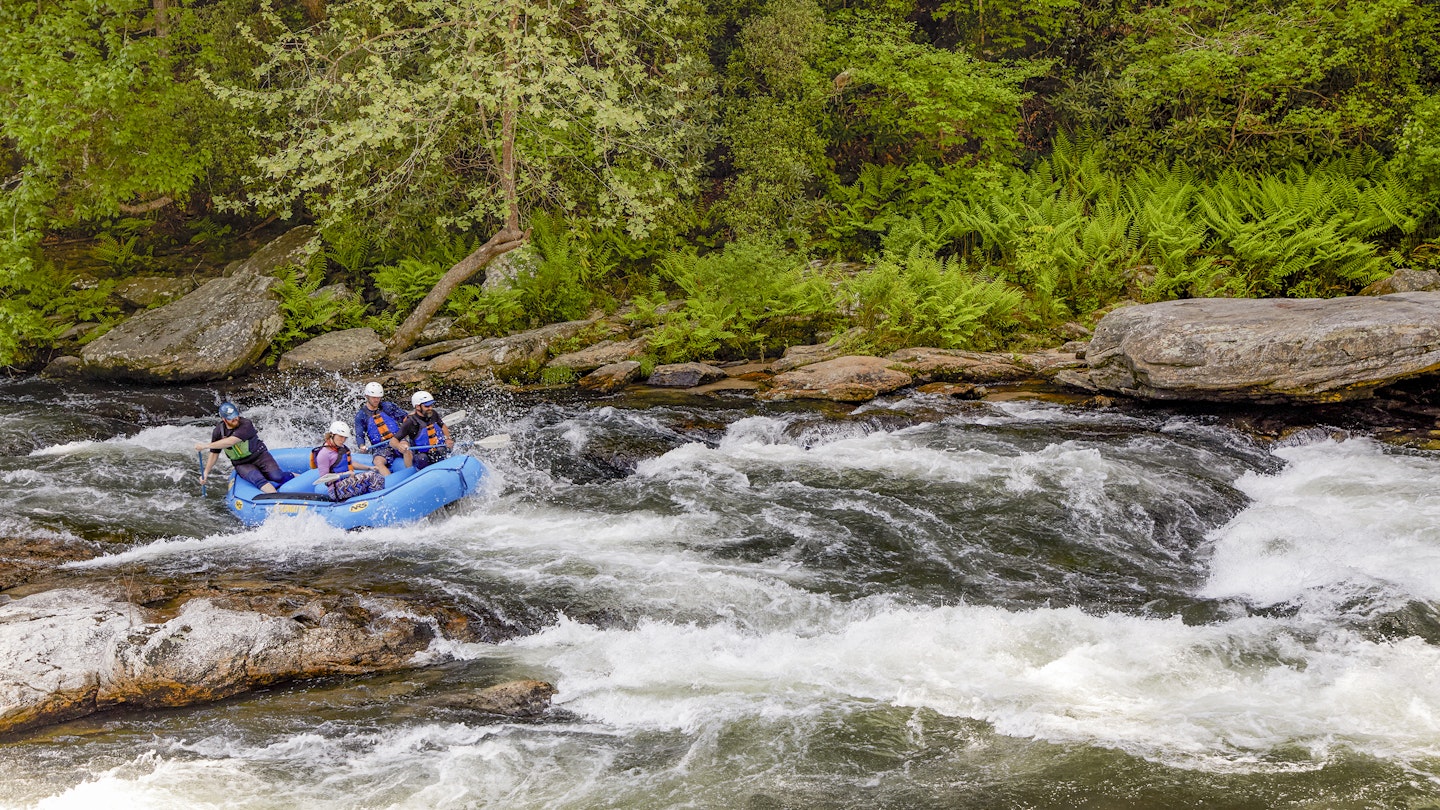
(200, 457)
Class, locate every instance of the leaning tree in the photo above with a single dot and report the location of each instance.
(468, 112)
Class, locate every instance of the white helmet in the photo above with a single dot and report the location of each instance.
(421, 398)
(373, 389)
(340, 429)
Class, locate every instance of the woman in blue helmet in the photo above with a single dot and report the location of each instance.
(237, 438)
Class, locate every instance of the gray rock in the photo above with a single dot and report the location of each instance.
(500, 273)
(501, 357)
(1076, 379)
(1050, 362)
(67, 653)
(845, 379)
(684, 375)
(1233, 350)
(219, 330)
(953, 365)
(436, 349)
(1405, 280)
(345, 350)
(612, 377)
(63, 368)
(511, 699)
(143, 292)
(956, 390)
(295, 246)
(797, 356)
(603, 353)
(440, 327)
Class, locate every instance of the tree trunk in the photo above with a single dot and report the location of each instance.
(314, 10)
(509, 237)
(162, 24)
(501, 243)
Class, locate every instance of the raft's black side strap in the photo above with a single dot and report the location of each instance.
(292, 496)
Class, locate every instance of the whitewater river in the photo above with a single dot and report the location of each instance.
(918, 604)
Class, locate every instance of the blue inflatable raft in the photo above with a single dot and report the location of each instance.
(408, 495)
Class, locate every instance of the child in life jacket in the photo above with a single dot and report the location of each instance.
(334, 457)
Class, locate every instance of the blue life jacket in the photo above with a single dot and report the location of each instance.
(342, 461)
(381, 426)
(435, 435)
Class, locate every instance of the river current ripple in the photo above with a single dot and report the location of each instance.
(919, 603)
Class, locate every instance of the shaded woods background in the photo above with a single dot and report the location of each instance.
(964, 174)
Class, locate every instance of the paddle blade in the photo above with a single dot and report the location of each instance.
(453, 419)
(494, 442)
(330, 478)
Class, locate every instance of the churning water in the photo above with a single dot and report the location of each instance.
(917, 604)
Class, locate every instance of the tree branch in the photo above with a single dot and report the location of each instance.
(145, 207)
(501, 243)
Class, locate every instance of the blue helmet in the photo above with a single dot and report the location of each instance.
(229, 411)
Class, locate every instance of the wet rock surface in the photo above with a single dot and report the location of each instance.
(1266, 351)
(77, 641)
(66, 653)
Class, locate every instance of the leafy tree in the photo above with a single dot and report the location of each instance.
(466, 112)
(100, 116)
(1217, 83)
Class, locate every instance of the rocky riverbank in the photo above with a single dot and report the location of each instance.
(72, 645)
(1209, 350)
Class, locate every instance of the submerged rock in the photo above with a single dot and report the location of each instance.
(510, 699)
(1276, 350)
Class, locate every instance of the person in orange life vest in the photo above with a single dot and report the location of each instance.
(376, 423)
(431, 440)
(334, 457)
(237, 438)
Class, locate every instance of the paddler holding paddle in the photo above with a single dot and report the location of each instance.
(423, 438)
(237, 438)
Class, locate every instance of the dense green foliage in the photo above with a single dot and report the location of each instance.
(962, 173)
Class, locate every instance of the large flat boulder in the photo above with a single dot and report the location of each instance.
(855, 378)
(340, 351)
(927, 364)
(70, 652)
(495, 358)
(1273, 350)
(684, 375)
(604, 353)
(221, 329)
